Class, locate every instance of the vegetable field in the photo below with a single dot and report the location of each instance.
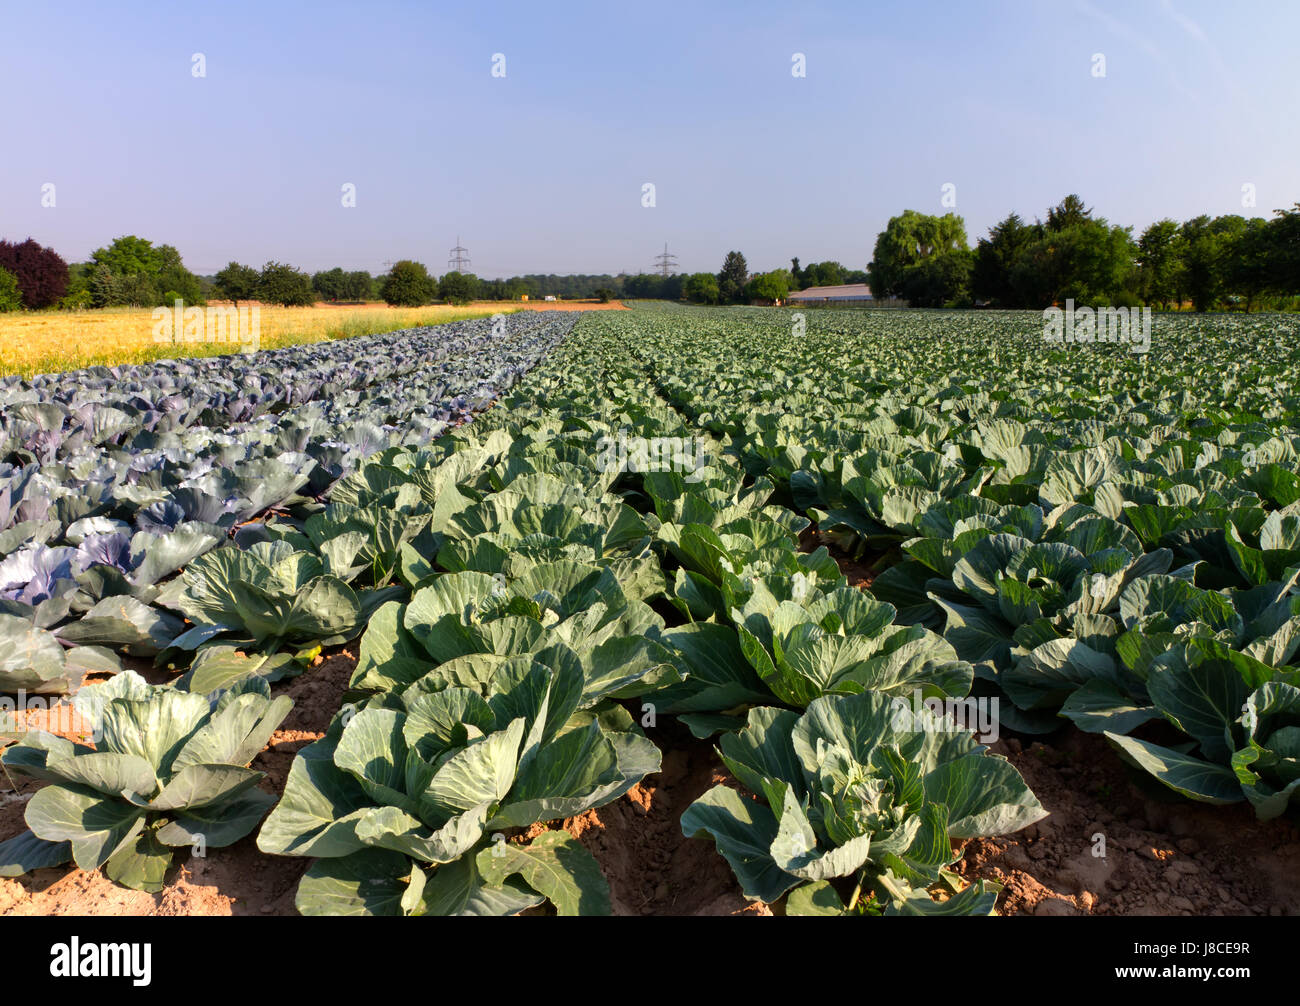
(659, 611)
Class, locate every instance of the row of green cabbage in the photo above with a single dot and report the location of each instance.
(1112, 540)
(537, 560)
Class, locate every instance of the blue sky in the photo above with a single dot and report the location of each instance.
(542, 170)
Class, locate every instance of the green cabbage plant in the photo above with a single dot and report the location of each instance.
(858, 795)
(1243, 716)
(169, 769)
(272, 595)
(406, 804)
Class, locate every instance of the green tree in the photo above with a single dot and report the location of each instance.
(105, 288)
(280, 283)
(78, 295)
(408, 284)
(129, 256)
(356, 285)
(175, 279)
(732, 278)
(1247, 268)
(337, 285)
(238, 282)
(11, 297)
(771, 286)
(1200, 256)
(1098, 262)
(701, 288)
(941, 280)
(995, 257)
(138, 290)
(1081, 258)
(458, 287)
(328, 285)
(143, 271)
(644, 286)
(1207, 248)
(908, 239)
(1159, 256)
(824, 274)
(517, 287)
(1070, 212)
(1284, 252)
(796, 274)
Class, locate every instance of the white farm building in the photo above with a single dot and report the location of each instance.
(848, 293)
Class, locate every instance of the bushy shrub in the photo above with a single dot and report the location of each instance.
(1125, 298)
(77, 300)
(11, 297)
(138, 290)
(701, 288)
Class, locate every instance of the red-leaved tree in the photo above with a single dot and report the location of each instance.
(42, 275)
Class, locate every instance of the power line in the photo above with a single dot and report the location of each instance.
(665, 261)
(459, 260)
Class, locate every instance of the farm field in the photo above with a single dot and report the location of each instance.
(48, 342)
(637, 612)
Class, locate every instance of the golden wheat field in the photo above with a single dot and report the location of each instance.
(46, 342)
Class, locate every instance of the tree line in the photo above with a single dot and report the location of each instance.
(1208, 262)
(129, 271)
(732, 284)
(410, 284)
(133, 272)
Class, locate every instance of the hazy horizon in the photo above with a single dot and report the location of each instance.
(541, 171)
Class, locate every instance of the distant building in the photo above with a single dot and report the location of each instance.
(847, 293)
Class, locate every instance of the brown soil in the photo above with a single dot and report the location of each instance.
(652, 868)
(1161, 858)
(859, 571)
